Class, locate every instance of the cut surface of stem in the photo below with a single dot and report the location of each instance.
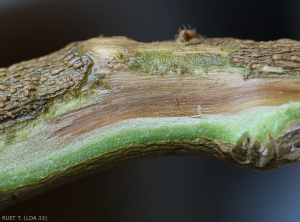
(100, 102)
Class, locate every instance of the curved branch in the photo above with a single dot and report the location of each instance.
(99, 102)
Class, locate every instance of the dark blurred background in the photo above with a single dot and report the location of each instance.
(166, 188)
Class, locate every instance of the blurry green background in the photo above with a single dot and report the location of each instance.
(165, 188)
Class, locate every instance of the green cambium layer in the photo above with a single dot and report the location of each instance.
(162, 63)
(29, 160)
(159, 62)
